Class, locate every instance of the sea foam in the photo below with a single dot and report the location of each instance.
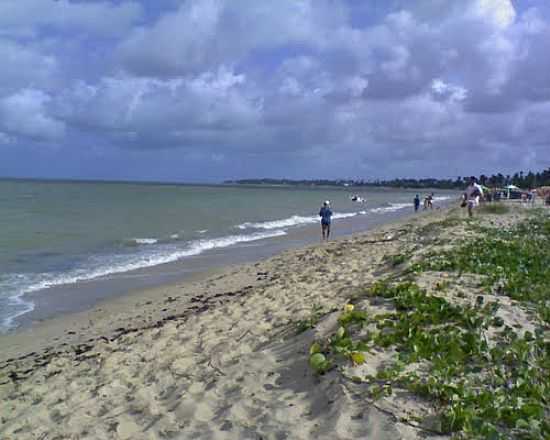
(145, 240)
(14, 286)
(391, 208)
(295, 220)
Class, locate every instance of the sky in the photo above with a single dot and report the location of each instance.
(209, 90)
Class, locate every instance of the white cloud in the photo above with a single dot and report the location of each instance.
(500, 12)
(202, 34)
(24, 66)
(198, 107)
(450, 91)
(25, 115)
(356, 85)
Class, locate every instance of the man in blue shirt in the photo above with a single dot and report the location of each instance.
(325, 213)
(416, 203)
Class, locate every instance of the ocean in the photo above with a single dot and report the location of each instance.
(55, 234)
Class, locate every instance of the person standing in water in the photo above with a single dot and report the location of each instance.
(326, 215)
(416, 202)
(430, 201)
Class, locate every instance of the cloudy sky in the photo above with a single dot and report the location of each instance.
(206, 90)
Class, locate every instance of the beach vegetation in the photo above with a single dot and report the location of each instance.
(310, 321)
(342, 344)
(441, 286)
(480, 388)
(433, 227)
(494, 208)
(514, 262)
(352, 317)
(485, 377)
(319, 363)
(396, 260)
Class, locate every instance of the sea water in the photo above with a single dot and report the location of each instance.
(61, 233)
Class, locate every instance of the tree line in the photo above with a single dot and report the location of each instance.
(499, 180)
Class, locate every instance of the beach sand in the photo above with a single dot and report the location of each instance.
(220, 357)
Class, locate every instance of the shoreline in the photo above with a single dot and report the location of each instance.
(68, 299)
(48, 262)
(104, 316)
(228, 356)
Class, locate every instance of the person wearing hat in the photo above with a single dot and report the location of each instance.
(325, 213)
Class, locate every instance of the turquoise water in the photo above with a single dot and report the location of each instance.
(57, 233)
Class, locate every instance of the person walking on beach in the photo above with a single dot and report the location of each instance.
(472, 195)
(326, 214)
(416, 202)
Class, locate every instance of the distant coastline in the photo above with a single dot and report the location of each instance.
(520, 179)
(397, 183)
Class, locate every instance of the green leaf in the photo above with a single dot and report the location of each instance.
(522, 424)
(315, 348)
(319, 363)
(358, 358)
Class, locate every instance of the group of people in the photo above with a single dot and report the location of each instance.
(474, 194)
(470, 199)
(326, 213)
(428, 202)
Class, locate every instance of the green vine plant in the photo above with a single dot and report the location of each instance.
(483, 387)
(312, 320)
(340, 343)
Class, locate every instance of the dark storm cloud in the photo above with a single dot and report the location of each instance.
(317, 88)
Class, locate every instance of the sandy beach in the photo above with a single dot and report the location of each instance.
(226, 356)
